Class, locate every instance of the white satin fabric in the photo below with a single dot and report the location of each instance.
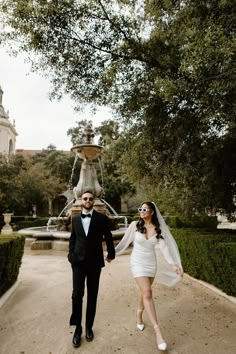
(150, 257)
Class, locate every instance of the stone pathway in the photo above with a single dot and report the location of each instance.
(34, 320)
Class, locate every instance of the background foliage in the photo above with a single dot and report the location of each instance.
(167, 68)
(27, 181)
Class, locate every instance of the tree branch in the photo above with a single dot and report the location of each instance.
(111, 22)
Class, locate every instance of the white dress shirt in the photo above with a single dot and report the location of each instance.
(86, 221)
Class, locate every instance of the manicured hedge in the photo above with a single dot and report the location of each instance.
(198, 221)
(209, 256)
(21, 222)
(30, 223)
(11, 252)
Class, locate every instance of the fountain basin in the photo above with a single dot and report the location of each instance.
(39, 238)
(87, 151)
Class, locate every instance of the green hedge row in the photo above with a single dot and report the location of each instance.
(30, 223)
(11, 252)
(198, 221)
(21, 222)
(209, 256)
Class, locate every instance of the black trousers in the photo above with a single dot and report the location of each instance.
(82, 273)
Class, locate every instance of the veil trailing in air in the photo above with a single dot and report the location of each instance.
(165, 274)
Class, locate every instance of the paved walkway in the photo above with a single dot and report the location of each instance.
(34, 320)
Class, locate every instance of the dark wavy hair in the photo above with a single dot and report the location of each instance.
(154, 220)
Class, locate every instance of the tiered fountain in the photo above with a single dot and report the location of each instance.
(88, 176)
(52, 236)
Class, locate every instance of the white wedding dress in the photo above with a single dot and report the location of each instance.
(143, 259)
(150, 257)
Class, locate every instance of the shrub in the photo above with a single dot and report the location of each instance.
(209, 256)
(173, 221)
(31, 223)
(21, 222)
(198, 221)
(11, 252)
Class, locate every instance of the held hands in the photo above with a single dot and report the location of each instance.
(177, 270)
(108, 260)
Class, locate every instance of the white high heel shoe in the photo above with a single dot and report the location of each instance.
(163, 345)
(140, 326)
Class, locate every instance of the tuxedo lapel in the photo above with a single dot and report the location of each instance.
(80, 227)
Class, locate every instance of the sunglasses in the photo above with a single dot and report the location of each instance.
(90, 199)
(143, 209)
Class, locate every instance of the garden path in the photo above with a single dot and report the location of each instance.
(34, 320)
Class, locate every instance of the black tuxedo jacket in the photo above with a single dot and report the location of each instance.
(89, 248)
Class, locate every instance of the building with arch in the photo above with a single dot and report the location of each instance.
(7, 131)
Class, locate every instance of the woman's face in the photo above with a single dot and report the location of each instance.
(145, 212)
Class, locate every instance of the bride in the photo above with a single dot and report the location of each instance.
(154, 255)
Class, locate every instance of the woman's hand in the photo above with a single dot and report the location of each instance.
(177, 270)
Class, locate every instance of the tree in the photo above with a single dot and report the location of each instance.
(24, 183)
(114, 182)
(77, 133)
(166, 67)
(60, 165)
(108, 131)
(10, 196)
(37, 186)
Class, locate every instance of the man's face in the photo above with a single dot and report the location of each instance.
(87, 201)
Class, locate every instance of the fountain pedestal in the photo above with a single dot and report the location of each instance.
(88, 181)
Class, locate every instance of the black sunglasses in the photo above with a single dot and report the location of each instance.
(90, 199)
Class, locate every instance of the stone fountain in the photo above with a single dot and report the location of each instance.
(88, 181)
(55, 235)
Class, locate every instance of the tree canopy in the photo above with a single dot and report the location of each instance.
(24, 182)
(166, 67)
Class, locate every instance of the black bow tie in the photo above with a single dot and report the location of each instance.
(86, 215)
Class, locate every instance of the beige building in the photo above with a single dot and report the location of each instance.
(7, 131)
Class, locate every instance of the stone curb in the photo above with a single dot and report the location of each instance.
(8, 293)
(212, 288)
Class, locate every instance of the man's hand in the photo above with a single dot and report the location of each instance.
(108, 260)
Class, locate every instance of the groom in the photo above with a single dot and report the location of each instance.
(86, 257)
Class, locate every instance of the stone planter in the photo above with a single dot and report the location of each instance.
(7, 229)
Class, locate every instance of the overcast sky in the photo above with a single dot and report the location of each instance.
(39, 121)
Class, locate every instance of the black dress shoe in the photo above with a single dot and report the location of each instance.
(89, 335)
(76, 339)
